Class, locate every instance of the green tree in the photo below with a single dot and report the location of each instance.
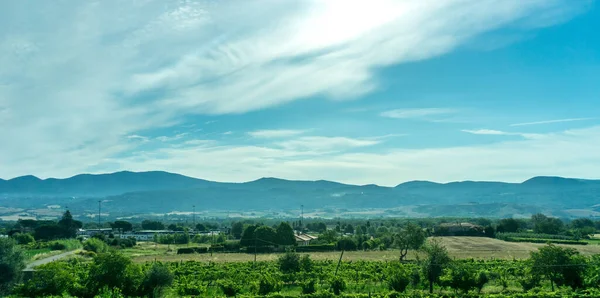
(49, 232)
(328, 236)
(349, 229)
(114, 270)
(200, 227)
(237, 229)
(285, 234)
(152, 225)
(410, 236)
(248, 236)
(156, 279)
(508, 225)
(122, 226)
(265, 236)
(582, 223)
(436, 260)
(12, 262)
(69, 225)
(546, 225)
(561, 266)
(52, 279)
(289, 262)
(23, 238)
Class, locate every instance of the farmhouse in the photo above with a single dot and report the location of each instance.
(304, 239)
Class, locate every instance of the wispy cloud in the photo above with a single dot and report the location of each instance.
(502, 133)
(152, 68)
(552, 121)
(137, 137)
(275, 133)
(319, 143)
(424, 113)
(172, 138)
(228, 133)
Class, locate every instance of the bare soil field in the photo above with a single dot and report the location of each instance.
(458, 247)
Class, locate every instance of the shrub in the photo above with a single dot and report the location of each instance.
(398, 280)
(306, 264)
(338, 285)
(232, 246)
(23, 239)
(95, 245)
(346, 244)
(156, 279)
(289, 262)
(316, 248)
(229, 288)
(268, 284)
(308, 287)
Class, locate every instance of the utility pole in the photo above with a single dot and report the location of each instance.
(99, 212)
(194, 214)
(339, 262)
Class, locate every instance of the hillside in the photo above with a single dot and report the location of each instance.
(130, 192)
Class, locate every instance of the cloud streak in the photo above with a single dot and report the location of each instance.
(424, 113)
(552, 121)
(275, 133)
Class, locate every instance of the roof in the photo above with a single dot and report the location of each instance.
(304, 237)
(456, 224)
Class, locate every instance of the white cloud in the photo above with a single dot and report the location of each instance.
(172, 138)
(78, 77)
(570, 153)
(416, 113)
(324, 144)
(275, 133)
(228, 133)
(487, 132)
(552, 121)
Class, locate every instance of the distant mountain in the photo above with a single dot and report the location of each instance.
(161, 192)
(88, 185)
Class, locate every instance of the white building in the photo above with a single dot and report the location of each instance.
(304, 239)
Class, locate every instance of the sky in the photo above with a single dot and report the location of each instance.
(363, 92)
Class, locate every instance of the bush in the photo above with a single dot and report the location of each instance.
(289, 262)
(398, 280)
(338, 285)
(191, 250)
(306, 264)
(229, 288)
(268, 284)
(156, 279)
(232, 246)
(96, 245)
(346, 244)
(308, 287)
(23, 239)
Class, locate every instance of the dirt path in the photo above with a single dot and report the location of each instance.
(51, 259)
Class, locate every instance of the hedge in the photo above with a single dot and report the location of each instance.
(536, 240)
(316, 248)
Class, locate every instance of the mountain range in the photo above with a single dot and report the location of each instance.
(162, 192)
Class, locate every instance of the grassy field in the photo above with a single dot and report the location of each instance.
(458, 247)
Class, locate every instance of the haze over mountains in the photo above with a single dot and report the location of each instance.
(162, 192)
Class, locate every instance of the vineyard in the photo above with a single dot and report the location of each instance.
(297, 275)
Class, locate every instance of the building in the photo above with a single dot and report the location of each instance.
(304, 239)
(92, 232)
(146, 235)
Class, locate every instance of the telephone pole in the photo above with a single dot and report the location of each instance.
(99, 212)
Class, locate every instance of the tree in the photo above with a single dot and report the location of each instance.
(12, 262)
(289, 262)
(265, 236)
(113, 270)
(561, 266)
(437, 259)
(122, 226)
(48, 232)
(328, 236)
(508, 225)
(410, 236)
(23, 238)
(237, 229)
(248, 236)
(349, 229)
(200, 227)
(285, 234)
(581, 223)
(156, 279)
(69, 225)
(546, 225)
(152, 225)
(52, 279)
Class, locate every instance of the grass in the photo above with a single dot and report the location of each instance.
(458, 248)
(31, 253)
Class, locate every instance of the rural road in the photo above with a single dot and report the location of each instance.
(51, 259)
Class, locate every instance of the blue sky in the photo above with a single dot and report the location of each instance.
(353, 91)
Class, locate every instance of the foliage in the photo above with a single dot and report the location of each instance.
(248, 238)
(229, 288)
(285, 234)
(289, 262)
(509, 225)
(237, 229)
(152, 225)
(308, 287)
(547, 225)
(68, 225)
(398, 278)
(268, 284)
(410, 236)
(122, 226)
(561, 266)
(50, 279)
(347, 243)
(95, 245)
(23, 238)
(114, 270)
(437, 259)
(12, 262)
(156, 279)
(338, 285)
(65, 244)
(504, 236)
(266, 236)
